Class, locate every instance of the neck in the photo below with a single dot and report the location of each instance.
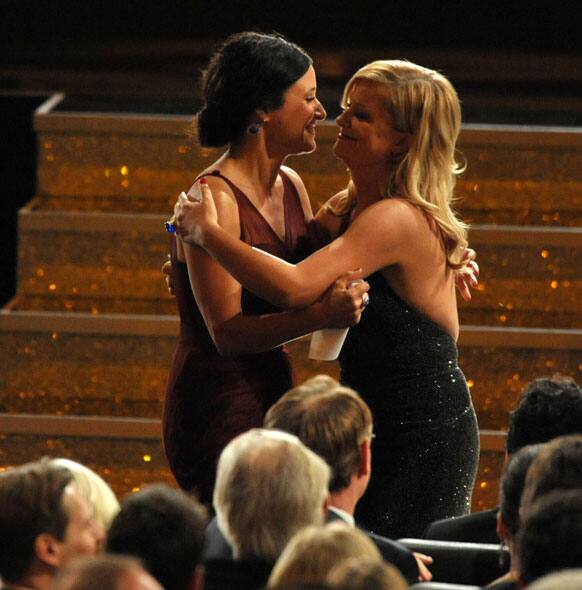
(370, 184)
(346, 499)
(253, 162)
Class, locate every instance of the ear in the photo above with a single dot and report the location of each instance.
(365, 458)
(48, 549)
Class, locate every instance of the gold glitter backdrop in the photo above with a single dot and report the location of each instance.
(92, 328)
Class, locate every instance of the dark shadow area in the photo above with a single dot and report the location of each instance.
(18, 154)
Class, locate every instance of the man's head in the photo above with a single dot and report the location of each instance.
(44, 522)
(106, 572)
(557, 466)
(333, 421)
(547, 408)
(549, 539)
(165, 529)
(268, 486)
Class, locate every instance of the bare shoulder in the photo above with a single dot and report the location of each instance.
(293, 175)
(301, 190)
(225, 203)
(392, 214)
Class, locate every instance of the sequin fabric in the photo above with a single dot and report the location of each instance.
(426, 450)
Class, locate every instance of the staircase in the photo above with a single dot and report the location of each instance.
(87, 341)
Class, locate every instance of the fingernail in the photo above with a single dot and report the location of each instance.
(203, 181)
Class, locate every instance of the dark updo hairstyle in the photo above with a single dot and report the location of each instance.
(249, 71)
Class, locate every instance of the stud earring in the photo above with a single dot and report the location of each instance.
(254, 128)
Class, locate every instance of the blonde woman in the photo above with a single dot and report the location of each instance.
(365, 574)
(398, 133)
(314, 551)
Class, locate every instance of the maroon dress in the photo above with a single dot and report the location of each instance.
(210, 399)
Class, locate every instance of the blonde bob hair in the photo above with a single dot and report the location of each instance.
(422, 103)
(316, 550)
(96, 491)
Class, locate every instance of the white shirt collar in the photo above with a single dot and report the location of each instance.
(348, 518)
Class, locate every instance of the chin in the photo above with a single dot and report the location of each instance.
(338, 152)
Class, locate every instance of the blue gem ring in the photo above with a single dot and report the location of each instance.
(170, 227)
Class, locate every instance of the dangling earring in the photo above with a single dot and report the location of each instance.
(254, 128)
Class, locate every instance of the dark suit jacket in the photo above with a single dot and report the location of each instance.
(239, 574)
(392, 551)
(479, 527)
(217, 547)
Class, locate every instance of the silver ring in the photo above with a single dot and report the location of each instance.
(365, 300)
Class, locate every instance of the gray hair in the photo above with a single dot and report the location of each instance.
(268, 486)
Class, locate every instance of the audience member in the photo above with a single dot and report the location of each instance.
(268, 487)
(336, 423)
(314, 551)
(45, 522)
(508, 518)
(549, 539)
(106, 572)
(547, 408)
(165, 529)
(558, 466)
(95, 490)
(570, 579)
(365, 574)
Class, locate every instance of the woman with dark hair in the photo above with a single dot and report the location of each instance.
(229, 367)
(398, 135)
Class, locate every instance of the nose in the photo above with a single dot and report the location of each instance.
(320, 113)
(342, 119)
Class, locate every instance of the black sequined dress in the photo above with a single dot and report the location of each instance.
(426, 450)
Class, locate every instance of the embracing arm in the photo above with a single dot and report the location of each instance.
(373, 241)
(218, 298)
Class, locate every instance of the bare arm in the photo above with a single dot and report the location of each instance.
(218, 296)
(375, 240)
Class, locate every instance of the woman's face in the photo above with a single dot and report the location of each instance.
(292, 126)
(366, 135)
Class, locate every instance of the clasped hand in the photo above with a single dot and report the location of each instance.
(194, 213)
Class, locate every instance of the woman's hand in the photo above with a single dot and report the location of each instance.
(167, 271)
(195, 213)
(468, 277)
(344, 302)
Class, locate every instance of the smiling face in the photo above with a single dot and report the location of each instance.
(291, 128)
(367, 136)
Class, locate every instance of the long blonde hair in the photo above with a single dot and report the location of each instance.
(424, 104)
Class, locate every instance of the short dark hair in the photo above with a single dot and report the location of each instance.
(163, 527)
(31, 503)
(549, 539)
(330, 419)
(512, 484)
(249, 71)
(558, 465)
(548, 407)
